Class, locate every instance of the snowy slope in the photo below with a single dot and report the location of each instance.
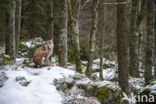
(40, 90)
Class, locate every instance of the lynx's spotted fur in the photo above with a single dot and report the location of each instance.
(43, 53)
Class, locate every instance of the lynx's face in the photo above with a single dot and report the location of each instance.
(50, 43)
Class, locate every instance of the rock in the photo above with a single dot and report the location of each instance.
(79, 85)
(107, 95)
(5, 59)
(23, 81)
(3, 78)
(82, 101)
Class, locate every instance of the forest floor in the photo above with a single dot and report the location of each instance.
(21, 83)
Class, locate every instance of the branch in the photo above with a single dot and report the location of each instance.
(85, 3)
(118, 3)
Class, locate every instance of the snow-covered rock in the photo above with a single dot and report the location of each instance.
(3, 78)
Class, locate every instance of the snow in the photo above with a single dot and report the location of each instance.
(34, 42)
(41, 89)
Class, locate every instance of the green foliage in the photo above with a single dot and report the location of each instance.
(146, 91)
(151, 82)
(6, 59)
(103, 93)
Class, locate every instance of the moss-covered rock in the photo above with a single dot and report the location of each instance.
(70, 84)
(106, 95)
(5, 59)
(63, 85)
(103, 93)
(3, 78)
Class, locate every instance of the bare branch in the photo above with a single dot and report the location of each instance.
(85, 3)
(117, 3)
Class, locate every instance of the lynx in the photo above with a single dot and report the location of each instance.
(42, 54)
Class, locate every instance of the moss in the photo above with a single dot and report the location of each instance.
(83, 86)
(94, 77)
(71, 59)
(6, 59)
(95, 70)
(70, 84)
(103, 93)
(105, 66)
(151, 82)
(146, 91)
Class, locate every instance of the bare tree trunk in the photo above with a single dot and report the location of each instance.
(49, 19)
(122, 46)
(141, 26)
(101, 32)
(10, 31)
(150, 41)
(155, 42)
(74, 9)
(18, 23)
(92, 43)
(133, 56)
(62, 31)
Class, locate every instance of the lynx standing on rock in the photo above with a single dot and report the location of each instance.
(43, 53)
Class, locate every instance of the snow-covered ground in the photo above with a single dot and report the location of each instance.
(23, 84)
(41, 89)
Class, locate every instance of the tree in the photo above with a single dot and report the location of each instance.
(141, 26)
(155, 43)
(18, 23)
(133, 56)
(62, 31)
(10, 30)
(49, 19)
(101, 32)
(122, 46)
(92, 38)
(73, 10)
(150, 41)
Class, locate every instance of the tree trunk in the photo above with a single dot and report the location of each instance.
(141, 26)
(155, 42)
(18, 23)
(150, 41)
(62, 31)
(73, 10)
(101, 32)
(49, 19)
(92, 43)
(133, 56)
(10, 31)
(122, 46)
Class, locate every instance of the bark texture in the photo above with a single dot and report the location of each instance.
(18, 23)
(122, 46)
(155, 42)
(10, 31)
(101, 32)
(133, 56)
(92, 43)
(150, 40)
(62, 31)
(73, 11)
